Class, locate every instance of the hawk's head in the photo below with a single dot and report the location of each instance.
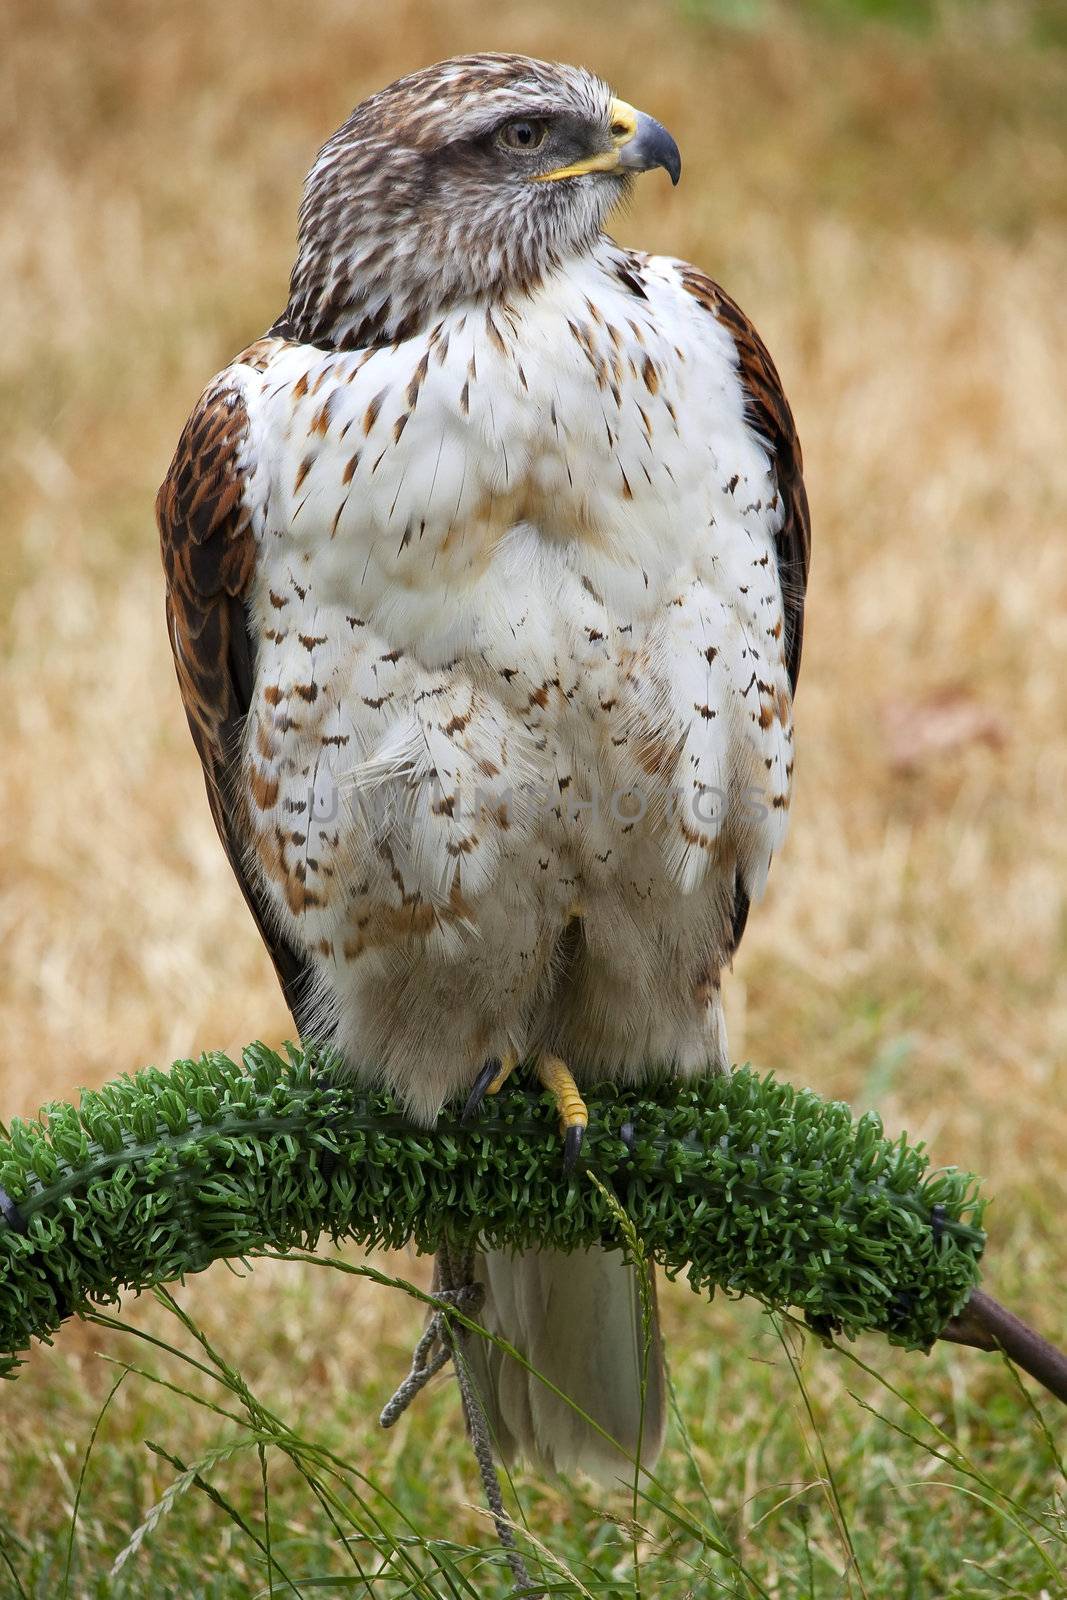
(471, 178)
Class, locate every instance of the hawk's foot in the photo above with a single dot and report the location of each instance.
(557, 1078)
(492, 1078)
(573, 1111)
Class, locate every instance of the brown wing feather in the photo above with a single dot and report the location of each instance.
(208, 557)
(769, 413)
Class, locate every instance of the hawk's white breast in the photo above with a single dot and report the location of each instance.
(512, 571)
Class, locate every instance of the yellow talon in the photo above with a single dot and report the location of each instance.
(556, 1077)
(494, 1074)
(508, 1062)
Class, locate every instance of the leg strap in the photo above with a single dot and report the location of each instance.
(455, 1286)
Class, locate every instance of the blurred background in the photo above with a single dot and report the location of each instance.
(882, 184)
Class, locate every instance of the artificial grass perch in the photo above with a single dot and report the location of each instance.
(741, 1183)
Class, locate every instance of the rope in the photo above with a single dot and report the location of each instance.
(454, 1284)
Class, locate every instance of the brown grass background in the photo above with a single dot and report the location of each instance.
(892, 212)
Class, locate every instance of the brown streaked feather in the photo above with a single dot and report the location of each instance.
(208, 558)
(769, 413)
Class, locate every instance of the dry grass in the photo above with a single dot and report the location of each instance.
(894, 215)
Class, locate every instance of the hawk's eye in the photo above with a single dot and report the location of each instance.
(524, 134)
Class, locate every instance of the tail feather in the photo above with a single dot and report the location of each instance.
(577, 1319)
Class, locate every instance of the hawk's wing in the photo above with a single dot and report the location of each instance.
(205, 529)
(769, 414)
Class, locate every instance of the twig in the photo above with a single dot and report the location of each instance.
(985, 1324)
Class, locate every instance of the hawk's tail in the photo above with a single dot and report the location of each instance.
(578, 1320)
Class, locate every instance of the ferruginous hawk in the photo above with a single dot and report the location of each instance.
(485, 579)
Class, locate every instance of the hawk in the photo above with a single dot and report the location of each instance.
(485, 574)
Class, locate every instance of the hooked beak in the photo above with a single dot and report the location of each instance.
(639, 144)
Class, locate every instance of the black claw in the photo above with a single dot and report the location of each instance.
(17, 1223)
(572, 1147)
(481, 1083)
(11, 1214)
